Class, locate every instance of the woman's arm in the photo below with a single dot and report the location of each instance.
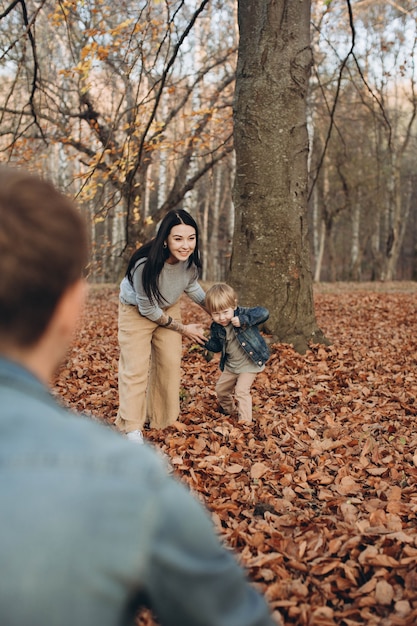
(193, 331)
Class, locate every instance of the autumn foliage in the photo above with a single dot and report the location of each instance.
(318, 497)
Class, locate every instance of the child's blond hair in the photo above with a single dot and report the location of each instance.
(219, 297)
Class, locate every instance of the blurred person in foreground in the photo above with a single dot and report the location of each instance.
(91, 528)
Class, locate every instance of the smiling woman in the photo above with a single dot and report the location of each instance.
(181, 243)
(150, 325)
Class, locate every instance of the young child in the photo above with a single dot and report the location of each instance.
(234, 332)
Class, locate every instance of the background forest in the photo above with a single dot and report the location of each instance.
(128, 107)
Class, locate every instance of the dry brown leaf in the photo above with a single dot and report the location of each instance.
(384, 593)
(258, 469)
(234, 469)
(348, 486)
(318, 496)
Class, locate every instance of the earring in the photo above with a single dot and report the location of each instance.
(165, 244)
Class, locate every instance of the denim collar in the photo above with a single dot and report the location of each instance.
(11, 370)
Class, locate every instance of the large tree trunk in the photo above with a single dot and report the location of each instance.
(270, 263)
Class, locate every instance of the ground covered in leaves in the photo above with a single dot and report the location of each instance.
(318, 497)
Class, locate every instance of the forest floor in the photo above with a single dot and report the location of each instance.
(318, 498)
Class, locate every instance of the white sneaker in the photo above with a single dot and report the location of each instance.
(136, 436)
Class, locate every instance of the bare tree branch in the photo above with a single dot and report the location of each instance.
(336, 98)
(28, 32)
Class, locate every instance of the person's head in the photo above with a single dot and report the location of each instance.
(177, 239)
(220, 302)
(43, 252)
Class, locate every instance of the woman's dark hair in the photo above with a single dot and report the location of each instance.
(156, 254)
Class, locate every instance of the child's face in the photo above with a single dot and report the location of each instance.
(223, 317)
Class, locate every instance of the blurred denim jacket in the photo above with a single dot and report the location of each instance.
(92, 527)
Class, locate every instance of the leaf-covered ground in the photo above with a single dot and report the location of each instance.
(318, 497)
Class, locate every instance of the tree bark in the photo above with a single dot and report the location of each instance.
(271, 258)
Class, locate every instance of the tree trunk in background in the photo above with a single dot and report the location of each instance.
(355, 249)
(214, 249)
(203, 238)
(270, 262)
(320, 250)
(397, 219)
(147, 192)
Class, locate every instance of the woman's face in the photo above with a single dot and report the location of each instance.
(181, 243)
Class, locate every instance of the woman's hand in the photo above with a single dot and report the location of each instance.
(195, 332)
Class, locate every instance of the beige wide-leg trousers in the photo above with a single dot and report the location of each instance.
(149, 370)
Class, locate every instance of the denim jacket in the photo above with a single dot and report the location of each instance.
(92, 527)
(247, 334)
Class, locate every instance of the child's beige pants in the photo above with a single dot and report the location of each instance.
(239, 385)
(149, 370)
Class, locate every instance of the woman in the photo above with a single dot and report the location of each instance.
(150, 326)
